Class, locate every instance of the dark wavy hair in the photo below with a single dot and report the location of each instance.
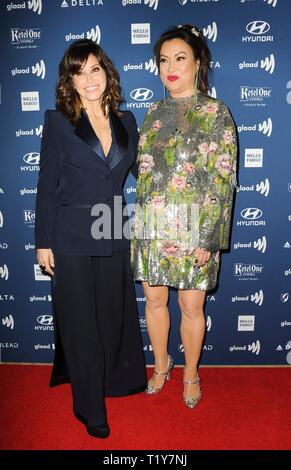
(67, 99)
(193, 36)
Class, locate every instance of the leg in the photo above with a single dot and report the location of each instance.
(192, 334)
(158, 324)
(75, 311)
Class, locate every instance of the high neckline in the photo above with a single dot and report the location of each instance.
(183, 99)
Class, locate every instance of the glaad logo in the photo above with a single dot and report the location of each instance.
(267, 64)
(26, 133)
(8, 321)
(263, 187)
(4, 273)
(151, 66)
(255, 347)
(34, 5)
(260, 245)
(1, 219)
(212, 92)
(152, 3)
(257, 298)
(285, 297)
(94, 34)
(39, 69)
(210, 31)
(273, 3)
(258, 30)
(208, 323)
(265, 127)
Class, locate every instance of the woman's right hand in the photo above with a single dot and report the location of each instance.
(45, 259)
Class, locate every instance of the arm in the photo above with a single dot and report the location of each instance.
(135, 137)
(215, 211)
(46, 190)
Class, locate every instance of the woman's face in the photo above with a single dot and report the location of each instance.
(178, 67)
(90, 81)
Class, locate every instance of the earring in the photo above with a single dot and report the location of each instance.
(107, 106)
(196, 85)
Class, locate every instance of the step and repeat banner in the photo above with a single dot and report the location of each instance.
(249, 314)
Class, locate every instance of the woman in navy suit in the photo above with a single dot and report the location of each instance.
(87, 149)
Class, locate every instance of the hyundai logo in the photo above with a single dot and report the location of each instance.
(141, 94)
(45, 319)
(251, 213)
(31, 158)
(258, 27)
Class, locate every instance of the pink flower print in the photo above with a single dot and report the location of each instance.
(223, 164)
(146, 163)
(228, 137)
(213, 147)
(189, 167)
(204, 148)
(157, 124)
(178, 182)
(142, 140)
(171, 249)
(211, 108)
(158, 201)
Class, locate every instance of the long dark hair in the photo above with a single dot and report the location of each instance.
(67, 99)
(193, 36)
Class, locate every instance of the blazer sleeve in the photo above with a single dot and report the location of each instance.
(216, 209)
(47, 183)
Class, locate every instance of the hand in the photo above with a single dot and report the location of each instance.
(45, 259)
(202, 255)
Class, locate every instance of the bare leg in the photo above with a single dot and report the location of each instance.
(158, 324)
(192, 333)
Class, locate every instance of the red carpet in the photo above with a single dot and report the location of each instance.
(241, 408)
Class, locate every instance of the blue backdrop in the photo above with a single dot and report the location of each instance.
(249, 315)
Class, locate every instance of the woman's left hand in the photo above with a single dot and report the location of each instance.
(202, 256)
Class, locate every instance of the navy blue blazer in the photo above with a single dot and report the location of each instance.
(73, 177)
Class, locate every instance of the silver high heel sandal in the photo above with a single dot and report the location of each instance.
(192, 402)
(151, 390)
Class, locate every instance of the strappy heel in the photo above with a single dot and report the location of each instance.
(151, 390)
(192, 402)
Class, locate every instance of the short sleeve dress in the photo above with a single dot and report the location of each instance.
(184, 195)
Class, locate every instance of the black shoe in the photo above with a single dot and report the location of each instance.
(98, 431)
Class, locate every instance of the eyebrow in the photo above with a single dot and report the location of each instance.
(181, 52)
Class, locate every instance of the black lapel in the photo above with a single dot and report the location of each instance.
(121, 137)
(85, 132)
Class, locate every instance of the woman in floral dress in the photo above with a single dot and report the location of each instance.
(186, 181)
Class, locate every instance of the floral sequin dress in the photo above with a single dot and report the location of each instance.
(184, 194)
